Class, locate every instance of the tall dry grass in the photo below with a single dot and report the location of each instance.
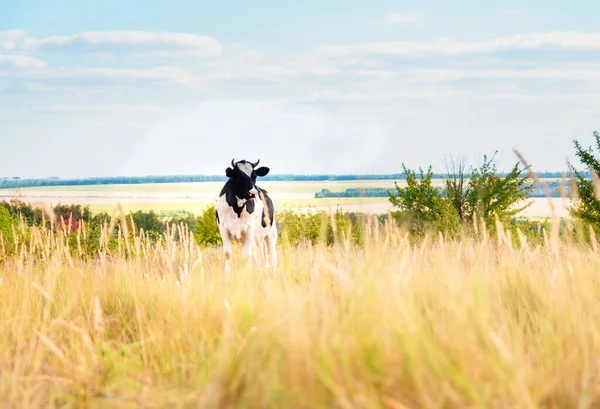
(470, 323)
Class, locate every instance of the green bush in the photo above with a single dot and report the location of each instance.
(206, 230)
(187, 219)
(294, 227)
(32, 216)
(422, 206)
(586, 207)
(317, 227)
(8, 222)
(150, 222)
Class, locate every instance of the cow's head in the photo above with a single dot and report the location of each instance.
(243, 177)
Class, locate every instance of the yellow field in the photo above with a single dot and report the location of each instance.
(194, 197)
(439, 324)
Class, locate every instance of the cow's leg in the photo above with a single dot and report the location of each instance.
(248, 244)
(227, 249)
(265, 251)
(259, 250)
(271, 242)
(228, 252)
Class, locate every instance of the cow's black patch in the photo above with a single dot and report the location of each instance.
(230, 198)
(250, 204)
(270, 208)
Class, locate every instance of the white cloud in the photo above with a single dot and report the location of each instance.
(100, 108)
(142, 42)
(21, 61)
(246, 52)
(158, 74)
(216, 74)
(445, 75)
(513, 12)
(263, 72)
(308, 77)
(337, 96)
(402, 18)
(9, 39)
(441, 46)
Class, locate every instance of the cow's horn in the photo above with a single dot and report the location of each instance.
(232, 165)
(255, 164)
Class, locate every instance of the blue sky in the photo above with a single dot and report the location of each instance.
(103, 88)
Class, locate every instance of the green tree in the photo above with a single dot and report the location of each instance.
(457, 186)
(100, 218)
(423, 204)
(32, 216)
(188, 220)
(75, 211)
(150, 222)
(484, 194)
(491, 195)
(587, 206)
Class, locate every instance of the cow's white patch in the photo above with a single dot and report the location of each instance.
(245, 167)
(240, 202)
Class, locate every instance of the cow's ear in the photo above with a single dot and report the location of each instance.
(229, 172)
(262, 171)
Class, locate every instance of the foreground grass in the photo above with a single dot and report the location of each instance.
(437, 324)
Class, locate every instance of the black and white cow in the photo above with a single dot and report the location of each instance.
(246, 213)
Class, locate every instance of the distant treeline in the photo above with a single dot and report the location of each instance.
(15, 182)
(538, 191)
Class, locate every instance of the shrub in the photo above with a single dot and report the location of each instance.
(318, 227)
(206, 230)
(586, 206)
(453, 208)
(8, 224)
(422, 205)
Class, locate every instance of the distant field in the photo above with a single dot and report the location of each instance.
(205, 187)
(194, 197)
(215, 187)
(369, 205)
(540, 207)
(189, 195)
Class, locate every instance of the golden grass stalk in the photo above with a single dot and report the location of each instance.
(555, 225)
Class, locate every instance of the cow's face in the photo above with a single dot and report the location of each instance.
(243, 177)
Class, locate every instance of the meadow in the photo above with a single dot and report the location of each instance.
(484, 320)
(357, 314)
